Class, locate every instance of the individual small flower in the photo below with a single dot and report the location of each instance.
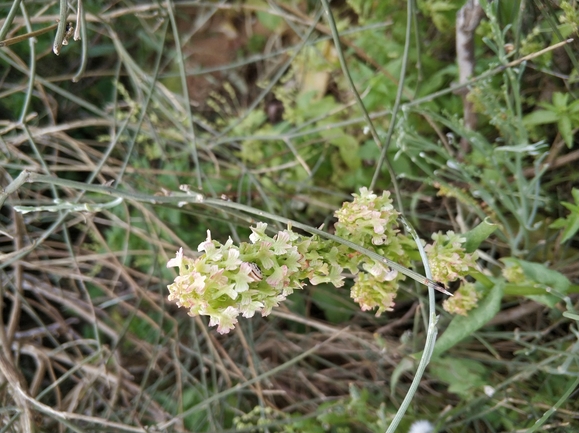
(209, 246)
(447, 257)
(225, 319)
(270, 303)
(281, 243)
(177, 261)
(258, 232)
(278, 277)
(292, 260)
(327, 273)
(464, 300)
(379, 271)
(242, 279)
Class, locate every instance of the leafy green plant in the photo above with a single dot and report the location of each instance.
(563, 112)
(569, 224)
(83, 292)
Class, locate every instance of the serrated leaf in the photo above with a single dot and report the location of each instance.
(462, 327)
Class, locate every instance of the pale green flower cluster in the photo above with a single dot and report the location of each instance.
(370, 220)
(449, 262)
(464, 300)
(447, 258)
(228, 280)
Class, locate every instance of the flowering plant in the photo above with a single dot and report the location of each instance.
(228, 280)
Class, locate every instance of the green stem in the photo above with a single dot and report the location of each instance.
(383, 159)
(196, 198)
(346, 72)
(32, 75)
(185, 90)
(61, 29)
(431, 333)
(9, 18)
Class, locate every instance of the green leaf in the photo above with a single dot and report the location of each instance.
(540, 117)
(566, 130)
(478, 235)
(270, 22)
(570, 224)
(348, 146)
(573, 107)
(369, 151)
(543, 275)
(462, 375)
(560, 100)
(544, 278)
(522, 289)
(571, 316)
(462, 327)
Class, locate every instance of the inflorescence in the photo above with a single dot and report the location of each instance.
(227, 280)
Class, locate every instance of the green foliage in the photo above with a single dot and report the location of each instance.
(488, 169)
(570, 16)
(465, 377)
(192, 396)
(442, 13)
(143, 329)
(303, 165)
(569, 224)
(346, 415)
(462, 327)
(476, 236)
(528, 275)
(563, 112)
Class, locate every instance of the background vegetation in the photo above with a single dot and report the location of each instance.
(250, 102)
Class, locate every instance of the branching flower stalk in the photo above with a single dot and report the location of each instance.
(227, 280)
